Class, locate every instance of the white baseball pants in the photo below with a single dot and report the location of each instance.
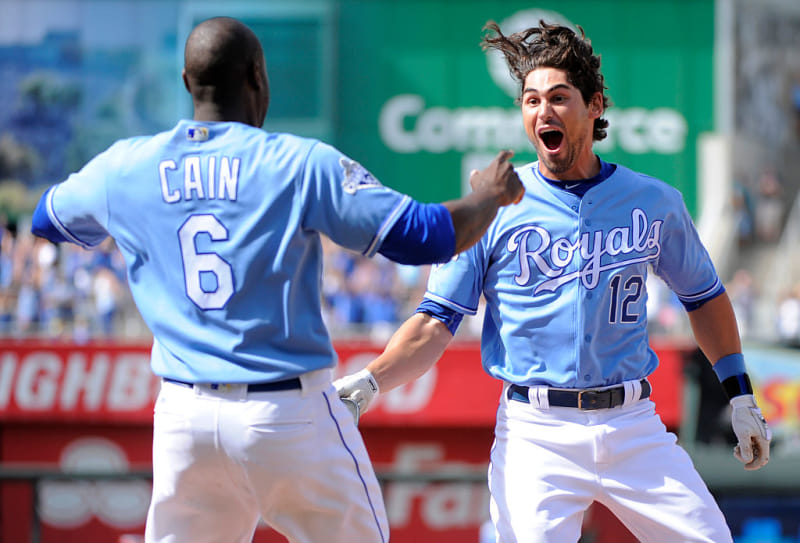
(224, 458)
(549, 464)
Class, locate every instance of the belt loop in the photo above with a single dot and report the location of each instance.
(314, 381)
(538, 397)
(633, 392)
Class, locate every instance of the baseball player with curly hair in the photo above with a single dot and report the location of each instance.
(220, 224)
(563, 275)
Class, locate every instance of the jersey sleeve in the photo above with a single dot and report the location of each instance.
(41, 225)
(346, 202)
(78, 206)
(684, 263)
(423, 234)
(445, 315)
(458, 284)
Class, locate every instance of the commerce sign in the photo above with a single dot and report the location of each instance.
(421, 108)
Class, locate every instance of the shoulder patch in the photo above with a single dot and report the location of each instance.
(356, 177)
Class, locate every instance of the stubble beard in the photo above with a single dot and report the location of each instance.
(558, 165)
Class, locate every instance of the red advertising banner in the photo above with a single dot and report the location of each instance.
(97, 383)
(74, 510)
(44, 381)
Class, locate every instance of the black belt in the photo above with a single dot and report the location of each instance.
(288, 384)
(588, 399)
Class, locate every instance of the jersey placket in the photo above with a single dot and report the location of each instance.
(574, 289)
(583, 295)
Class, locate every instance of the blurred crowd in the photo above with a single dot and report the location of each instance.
(65, 292)
(367, 297)
(61, 291)
(760, 207)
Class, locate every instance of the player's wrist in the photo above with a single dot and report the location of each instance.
(743, 400)
(733, 377)
(366, 378)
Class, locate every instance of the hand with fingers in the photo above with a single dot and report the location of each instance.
(500, 178)
(751, 430)
(357, 391)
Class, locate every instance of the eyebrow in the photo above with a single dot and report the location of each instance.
(554, 87)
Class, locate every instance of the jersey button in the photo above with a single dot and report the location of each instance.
(587, 337)
(574, 208)
(587, 377)
(588, 295)
(588, 222)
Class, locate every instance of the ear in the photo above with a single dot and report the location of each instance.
(596, 106)
(185, 80)
(254, 75)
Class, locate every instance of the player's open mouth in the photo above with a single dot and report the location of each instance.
(551, 139)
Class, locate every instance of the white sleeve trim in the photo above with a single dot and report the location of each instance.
(386, 226)
(451, 304)
(60, 226)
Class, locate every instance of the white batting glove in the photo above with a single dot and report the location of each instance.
(360, 388)
(752, 432)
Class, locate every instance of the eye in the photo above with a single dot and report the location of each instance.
(532, 101)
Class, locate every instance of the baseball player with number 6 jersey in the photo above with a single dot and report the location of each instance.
(220, 224)
(564, 276)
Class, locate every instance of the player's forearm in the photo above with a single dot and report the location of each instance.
(471, 216)
(412, 350)
(715, 329)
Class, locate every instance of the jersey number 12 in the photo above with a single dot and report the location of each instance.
(622, 297)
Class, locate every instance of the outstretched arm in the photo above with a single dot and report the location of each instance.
(717, 334)
(413, 349)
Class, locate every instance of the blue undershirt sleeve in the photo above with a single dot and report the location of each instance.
(40, 222)
(448, 316)
(423, 234)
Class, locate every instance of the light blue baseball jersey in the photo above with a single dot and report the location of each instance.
(564, 279)
(219, 225)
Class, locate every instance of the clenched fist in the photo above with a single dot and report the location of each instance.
(359, 388)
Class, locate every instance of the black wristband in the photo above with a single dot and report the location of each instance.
(737, 385)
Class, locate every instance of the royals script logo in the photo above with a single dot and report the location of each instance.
(639, 242)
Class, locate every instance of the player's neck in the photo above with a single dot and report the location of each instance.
(585, 168)
(210, 112)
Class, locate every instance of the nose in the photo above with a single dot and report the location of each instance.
(545, 110)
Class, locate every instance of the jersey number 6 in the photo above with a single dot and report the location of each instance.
(198, 266)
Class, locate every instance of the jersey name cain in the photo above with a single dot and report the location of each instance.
(188, 182)
(639, 242)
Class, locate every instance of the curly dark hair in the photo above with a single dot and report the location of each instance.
(552, 46)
